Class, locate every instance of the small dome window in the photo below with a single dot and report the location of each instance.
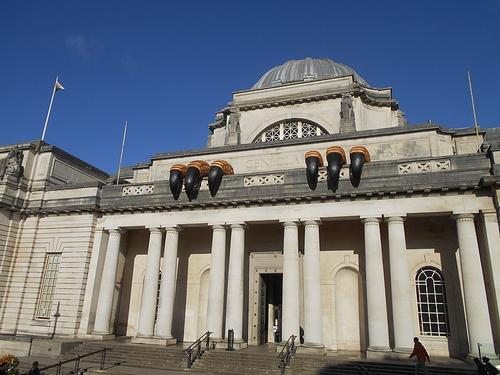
(290, 129)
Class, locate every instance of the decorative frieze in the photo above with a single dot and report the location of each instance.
(344, 174)
(270, 179)
(138, 190)
(420, 167)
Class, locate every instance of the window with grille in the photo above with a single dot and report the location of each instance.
(290, 129)
(48, 285)
(431, 301)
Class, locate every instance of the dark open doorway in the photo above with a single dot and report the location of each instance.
(271, 286)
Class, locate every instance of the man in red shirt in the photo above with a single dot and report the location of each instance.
(422, 356)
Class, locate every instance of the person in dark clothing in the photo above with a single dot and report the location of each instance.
(481, 370)
(34, 370)
(492, 370)
(422, 356)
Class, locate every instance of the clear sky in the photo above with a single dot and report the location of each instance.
(167, 66)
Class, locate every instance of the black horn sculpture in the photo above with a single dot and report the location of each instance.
(336, 159)
(359, 156)
(217, 169)
(177, 173)
(196, 170)
(313, 162)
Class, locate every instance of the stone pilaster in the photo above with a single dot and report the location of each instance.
(234, 307)
(150, 286)
(216, 282)
(291, 315)
(378, 329)
(476, 304)
(401, 301)
(312, 286)
(108, 280)
(167, 287)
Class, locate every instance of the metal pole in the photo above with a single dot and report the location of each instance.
(50, 108)
(121, 153)
(476, 127)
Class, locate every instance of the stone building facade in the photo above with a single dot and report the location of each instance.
(314, 206)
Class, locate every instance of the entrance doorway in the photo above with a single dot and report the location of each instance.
(271, 286)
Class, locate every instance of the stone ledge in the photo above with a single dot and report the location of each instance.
(238, 345)
(154, 341)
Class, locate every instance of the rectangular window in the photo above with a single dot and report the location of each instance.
(48, 285)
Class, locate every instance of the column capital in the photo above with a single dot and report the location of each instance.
(115, 231)
(312, 222)
(370, 220)
(463, 217)
(240, 225)
(395, 219)
(218, 227)
(289, 223)
(154, 229)
(172, 228)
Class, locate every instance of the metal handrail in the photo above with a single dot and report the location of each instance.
(77, 359)
(195, 348)
(286, 353)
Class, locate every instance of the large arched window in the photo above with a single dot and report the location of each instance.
(290, 129)
(431, 301)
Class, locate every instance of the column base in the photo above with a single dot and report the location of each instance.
(310, 348)
(154, 340)
(380, 352)
(237, 345)
(403, 350)
(104, 336)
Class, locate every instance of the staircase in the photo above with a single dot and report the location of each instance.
(135, 355)
(122, 353)
(245, 362)
(261, 360)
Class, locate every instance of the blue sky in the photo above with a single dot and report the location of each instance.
(167, 67)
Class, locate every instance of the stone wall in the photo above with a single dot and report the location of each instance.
(70, 235)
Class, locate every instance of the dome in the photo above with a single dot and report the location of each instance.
(307, 69)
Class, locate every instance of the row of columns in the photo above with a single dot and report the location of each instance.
(378, 331)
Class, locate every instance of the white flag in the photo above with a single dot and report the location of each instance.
(59, 86)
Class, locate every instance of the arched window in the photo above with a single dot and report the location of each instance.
(290, 129)
(431, 301)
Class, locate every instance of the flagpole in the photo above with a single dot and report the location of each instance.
(50, 107)
(476, 126)
(121, 153)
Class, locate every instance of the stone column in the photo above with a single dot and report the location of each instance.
(378, 330)
(168, 283)
(492, 249)
(234, 307)
(402, 312)
(216, 282)
(312, 286)
(108, 281)
(476, 304)
(291, 316)
(150, 288)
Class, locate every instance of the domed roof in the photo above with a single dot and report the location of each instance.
(307, 69)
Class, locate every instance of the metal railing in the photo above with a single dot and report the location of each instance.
(287, 353)
(195, 350)
(76, 359)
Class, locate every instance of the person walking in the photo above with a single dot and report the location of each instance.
(492, 370)
(34, 370)
(422, 356)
